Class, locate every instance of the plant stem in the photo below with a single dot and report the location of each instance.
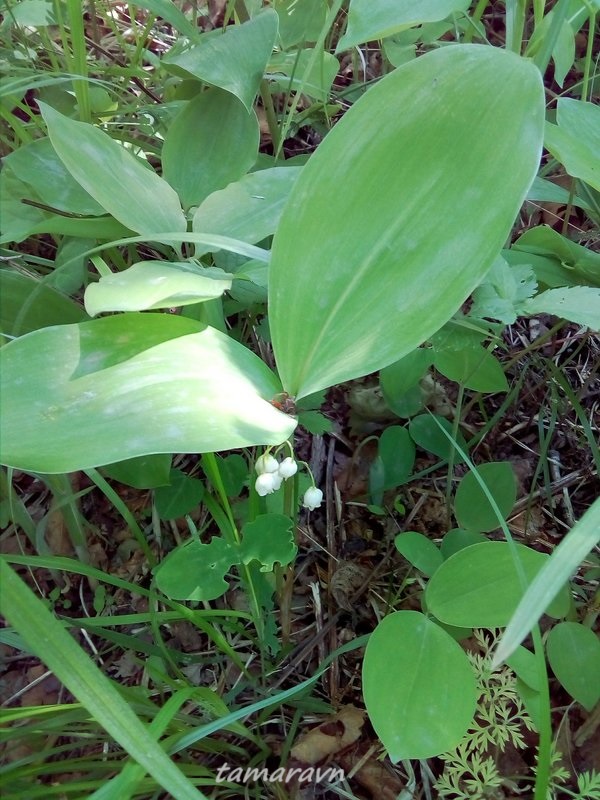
(542, 773)
(515, 24)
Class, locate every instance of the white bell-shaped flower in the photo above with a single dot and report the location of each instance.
(266, 464)
(288, 467)
(267, 483)
(313, 498)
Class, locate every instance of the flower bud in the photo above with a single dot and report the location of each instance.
(266, 483)
(288, 467)
(313, 498)
(266, 464)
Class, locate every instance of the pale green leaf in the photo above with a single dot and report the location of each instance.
(155, 284)
(376, 19)
(249, 209)
(474, 367)
(307, 72)
(504, 291)
(233, 60)
(575, 141)
(579, 304)
(37, 164)
(134, 194)
(420, 551)
(359, 275)
(130, 385)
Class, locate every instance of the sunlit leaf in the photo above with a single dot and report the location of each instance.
(233, 60)
(133, 193)
(155, 284)
(129, 385)
(375, 19)
(360, 273)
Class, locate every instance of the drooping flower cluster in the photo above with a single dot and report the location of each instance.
(271, 474)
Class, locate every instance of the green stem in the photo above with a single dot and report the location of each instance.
(79, 59)
(475, 20)
(544, 54)
(515, 24)
(232, 535)
(455, 424)
(542, 772)
(588, 55)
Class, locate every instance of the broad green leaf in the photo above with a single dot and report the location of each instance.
(32, 14)
(233, 470)
(167, 10)
(475, 367)
(563, 53)
(38, 165)
(524, 664)
(425, 431)
(574, 655)
(479, 587)
(575, 141)
(155, 284)
(579, 304)
(196, 571)
(134, 194)
(211, 142)
(400, 382)
(418, 685)
(54, 645)
(565, 559)
(472, 508)
(26, 304)
(376, 19)
(248, 209)
(20, 220)
(395, 457)
(268, 539)
(359, 275)
(457, 539)
(420, 551)
(143, 472)
(299, 22)
(130, 385)
(182, 496)
(546, 191)
(573, 264)
(234, 60)
(292, 71)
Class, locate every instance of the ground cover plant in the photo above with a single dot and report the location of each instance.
(299, 399)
